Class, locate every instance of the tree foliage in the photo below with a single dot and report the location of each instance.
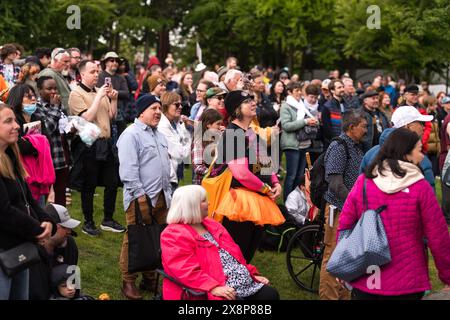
(300, 34)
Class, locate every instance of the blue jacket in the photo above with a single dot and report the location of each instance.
(372, 153)
(194, 110)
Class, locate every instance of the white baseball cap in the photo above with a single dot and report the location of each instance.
(61, 216)
(403, 116)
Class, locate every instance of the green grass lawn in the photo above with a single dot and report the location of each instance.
(99, 257)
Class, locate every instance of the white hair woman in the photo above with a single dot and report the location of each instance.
(199, 253)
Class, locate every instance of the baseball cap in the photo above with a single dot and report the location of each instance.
(325, 83)
(445, 100)
(214, 91)
(403, 116)
(61, 216)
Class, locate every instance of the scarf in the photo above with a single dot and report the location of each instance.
(301, 109)
(313, 108)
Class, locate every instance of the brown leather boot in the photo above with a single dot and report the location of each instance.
(130, 291)
(149, 285)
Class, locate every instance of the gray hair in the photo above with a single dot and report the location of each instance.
(231, 74)
(352, 118)
(57, 53)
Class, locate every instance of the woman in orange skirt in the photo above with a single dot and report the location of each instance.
(250, 202)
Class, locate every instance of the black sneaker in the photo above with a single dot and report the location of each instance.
(90, 229)
(112, 226)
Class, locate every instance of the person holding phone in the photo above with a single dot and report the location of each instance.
(97, 165)
(110, 77)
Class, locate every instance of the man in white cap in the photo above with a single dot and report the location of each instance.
(59, 249)
(410, 118)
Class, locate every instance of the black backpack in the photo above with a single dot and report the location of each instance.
(319, 185)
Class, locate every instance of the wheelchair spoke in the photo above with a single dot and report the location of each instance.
(314, 273)
(305, 268)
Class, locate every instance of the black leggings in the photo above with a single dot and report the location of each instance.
(246, 234)
(360, 295)
(265, 293)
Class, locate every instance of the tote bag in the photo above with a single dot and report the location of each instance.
(144, 246)
(363, 246)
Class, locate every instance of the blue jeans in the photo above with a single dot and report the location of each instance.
(15, 288)
(295, 168)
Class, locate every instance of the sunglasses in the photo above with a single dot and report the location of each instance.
(219, 98)
(113, 60)
(29, 96)
(177, 104)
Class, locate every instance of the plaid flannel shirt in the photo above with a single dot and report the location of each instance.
(50, 116)
(199, 167)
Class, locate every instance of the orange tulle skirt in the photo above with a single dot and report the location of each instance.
(245, 205)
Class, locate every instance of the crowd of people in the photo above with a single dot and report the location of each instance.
(231, 128)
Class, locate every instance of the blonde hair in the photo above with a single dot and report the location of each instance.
(185, 205)
(6, 164)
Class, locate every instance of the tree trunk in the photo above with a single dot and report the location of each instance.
(117, 42)
(163, 45)
(146, 47)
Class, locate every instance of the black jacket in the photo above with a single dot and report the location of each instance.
(16, 226)
(267, 116)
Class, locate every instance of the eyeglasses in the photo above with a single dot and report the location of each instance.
(177, 104)
(29, 96)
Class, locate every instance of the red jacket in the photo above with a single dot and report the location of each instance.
(194, 261)
(426, 131)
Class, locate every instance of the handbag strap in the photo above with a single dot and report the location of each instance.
(213, 162)
(138, 213)
(366, 203)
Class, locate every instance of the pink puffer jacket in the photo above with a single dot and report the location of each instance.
(411, 215)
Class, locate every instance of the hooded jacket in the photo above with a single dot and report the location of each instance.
(372, 153)
(412, 214)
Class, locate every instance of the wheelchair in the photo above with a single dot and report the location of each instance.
(304, 254)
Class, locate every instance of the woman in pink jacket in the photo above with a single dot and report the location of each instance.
(199, 253)
(412, 216)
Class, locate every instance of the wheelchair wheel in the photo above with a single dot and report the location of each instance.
(304, 257)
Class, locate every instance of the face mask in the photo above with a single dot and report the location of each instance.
(29, 108)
